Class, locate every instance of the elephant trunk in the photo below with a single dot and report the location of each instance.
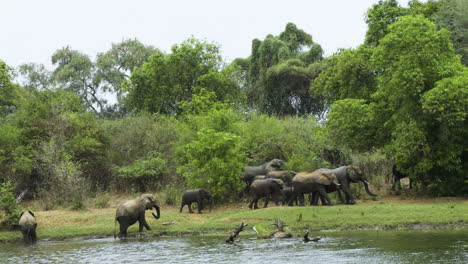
(366, 186)
(157, 211)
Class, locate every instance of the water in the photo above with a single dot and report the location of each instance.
(435, 246)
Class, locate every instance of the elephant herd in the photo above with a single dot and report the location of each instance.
(269, 182)
(265, 181)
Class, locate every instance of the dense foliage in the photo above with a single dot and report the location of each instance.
(185, 119)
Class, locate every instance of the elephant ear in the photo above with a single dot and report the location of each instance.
(354, 173)
(146, 201)
(32, 213)
(324, 179)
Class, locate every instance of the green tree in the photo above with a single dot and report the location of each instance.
(417, 113)
(165, 81)
(9, 92)
(279, 76)
(346, 74)
(453, 15)
(115, 66)
(379, 17)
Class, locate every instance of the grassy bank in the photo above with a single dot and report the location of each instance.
(386, 213)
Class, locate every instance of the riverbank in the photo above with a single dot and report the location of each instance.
(387, 213)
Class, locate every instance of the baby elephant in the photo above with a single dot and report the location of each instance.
(27, 224)
(196, 196)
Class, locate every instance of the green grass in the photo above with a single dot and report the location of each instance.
(59, 224)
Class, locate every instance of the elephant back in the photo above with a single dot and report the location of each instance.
(27, 219)
(321, 177)
(129, 207)
(285, 175)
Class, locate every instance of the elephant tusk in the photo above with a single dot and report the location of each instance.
(367, 182)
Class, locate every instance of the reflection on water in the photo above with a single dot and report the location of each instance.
(443, 246)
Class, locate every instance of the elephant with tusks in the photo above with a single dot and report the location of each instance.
(131, 211)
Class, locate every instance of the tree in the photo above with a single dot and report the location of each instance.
(76, 72)
(417, 113)
(9, 92)
(115, 66)
(165, 81)
(89, 79)
(346, 74)
(452, 15)
(279, 76)
(209, 150)
(379, 17)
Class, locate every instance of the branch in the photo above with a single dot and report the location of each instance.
(235, 234)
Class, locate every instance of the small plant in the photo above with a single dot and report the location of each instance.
(299, 218)
(102, 201)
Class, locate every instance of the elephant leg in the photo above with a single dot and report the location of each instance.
(314, 200)
(190, 208)
(143, 223)
(256, 203)
(123, 230)
(181, 206)
(33, 236)
(252, 203)
(301, 199)
(267, 199)
(324, 197)
(340, 196)
(347, 191)
(200, 206)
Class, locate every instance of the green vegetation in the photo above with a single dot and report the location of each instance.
(385, 214)
(186, 119)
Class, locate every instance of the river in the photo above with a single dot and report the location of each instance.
(389, 246)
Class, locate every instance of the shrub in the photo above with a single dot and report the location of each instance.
(102, 201)
(214, 162)
(8, 205)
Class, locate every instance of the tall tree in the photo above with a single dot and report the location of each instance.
(453, 15)
(8, 90)
(379, 17)
(279, 75)
(76, 72)
(165, 81)
(418, 111)
(346, 74)
(116, 65)
(89, 79)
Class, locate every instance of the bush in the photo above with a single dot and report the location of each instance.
(214, 162)
(173, 195)
(102, 201)
(8, 205)
(142, 174)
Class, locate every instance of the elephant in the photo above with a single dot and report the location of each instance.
(27, 224)
(196, 196)
(313, 182)
(267, 188)
(346, 175)
(259, 177)
(251, 171)
(285, 175)
(397, 176)
(288, 196)
(131, 211)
